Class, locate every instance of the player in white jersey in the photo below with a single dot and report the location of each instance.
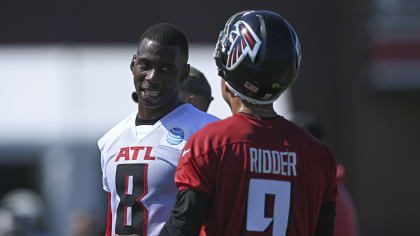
(140, 154)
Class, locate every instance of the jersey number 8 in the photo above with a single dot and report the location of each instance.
(131, 182)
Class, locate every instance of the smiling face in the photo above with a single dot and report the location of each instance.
(158, 70)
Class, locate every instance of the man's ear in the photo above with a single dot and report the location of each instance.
(132, 63)
(191, 99)
(185, 72)
(227, 90)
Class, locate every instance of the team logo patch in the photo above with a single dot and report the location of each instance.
(244, 41)
(175, 136)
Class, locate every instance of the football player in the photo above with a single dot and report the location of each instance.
(255, 173)
(140, 154)
(195, 90)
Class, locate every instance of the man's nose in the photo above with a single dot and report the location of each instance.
(152, 75)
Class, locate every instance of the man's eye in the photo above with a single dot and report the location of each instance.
(143, 65)
(166, 69)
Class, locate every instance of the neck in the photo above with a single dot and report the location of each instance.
(146, 113)
(259, 111)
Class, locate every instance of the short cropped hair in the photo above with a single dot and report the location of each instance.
(167, 34)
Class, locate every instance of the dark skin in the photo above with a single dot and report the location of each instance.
(158, 70)
(238, 105)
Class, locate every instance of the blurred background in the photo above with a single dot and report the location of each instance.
(65, 81)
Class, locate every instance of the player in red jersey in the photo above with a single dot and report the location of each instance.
(255, 173)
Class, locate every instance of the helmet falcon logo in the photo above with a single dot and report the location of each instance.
(244, 41)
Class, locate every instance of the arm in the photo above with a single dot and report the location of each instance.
(188, 214)
(108, 231)
(326, 220)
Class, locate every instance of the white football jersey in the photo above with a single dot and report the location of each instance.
(138, 167)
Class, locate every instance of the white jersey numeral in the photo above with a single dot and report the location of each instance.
(260, 191)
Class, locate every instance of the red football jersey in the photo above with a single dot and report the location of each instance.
(265, 177)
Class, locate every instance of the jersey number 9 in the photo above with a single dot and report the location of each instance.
(268, 204)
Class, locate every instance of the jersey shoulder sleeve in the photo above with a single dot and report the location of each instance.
(328, 165)
(106, 141)
(198, 118)
(188, 118)
(198, 162)
(321, 158)
(195, 168)
(331, 168)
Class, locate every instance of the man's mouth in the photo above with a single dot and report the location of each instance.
(150, 92)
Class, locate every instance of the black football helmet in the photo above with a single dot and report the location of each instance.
(258, 55)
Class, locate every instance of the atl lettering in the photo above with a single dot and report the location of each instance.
(134, 151)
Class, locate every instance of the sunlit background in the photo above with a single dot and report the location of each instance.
(65, 81)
